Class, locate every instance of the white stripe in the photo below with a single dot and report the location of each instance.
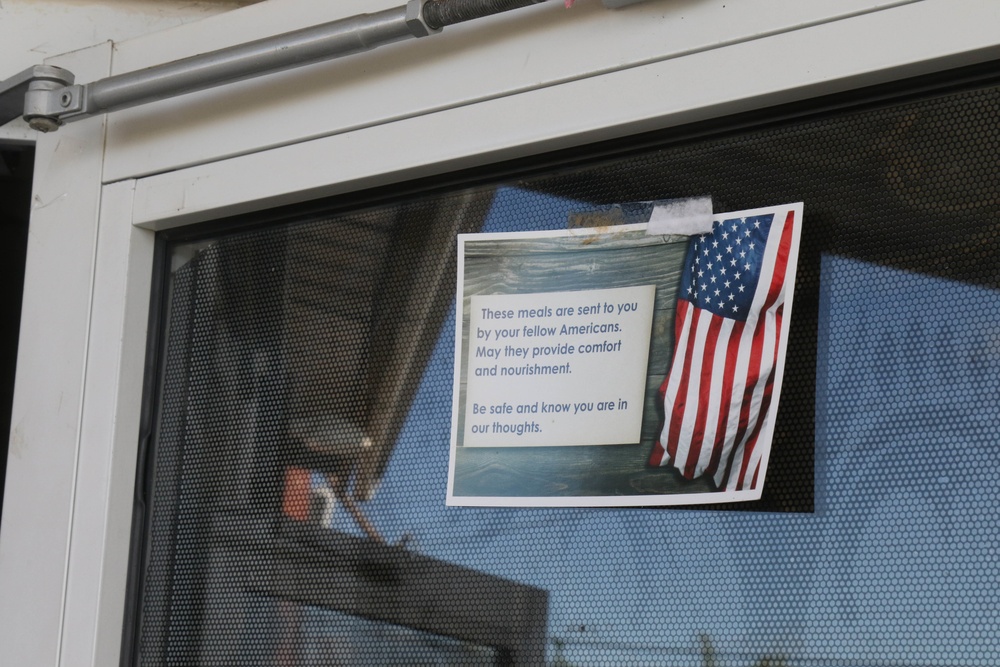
(768, 262)
(754, 461)
(674, 377)
(766, 364)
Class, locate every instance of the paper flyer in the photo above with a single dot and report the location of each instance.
(616, 367)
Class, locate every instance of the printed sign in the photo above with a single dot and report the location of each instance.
(557, 368)
(618, 367)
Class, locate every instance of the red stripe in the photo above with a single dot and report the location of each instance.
(704, 394)
(780, 263)
(728, 377)
(765, 403)
(753, 373)
(673, 436)
(656, 458)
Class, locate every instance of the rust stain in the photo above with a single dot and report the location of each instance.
(601, 233)
(591, 219)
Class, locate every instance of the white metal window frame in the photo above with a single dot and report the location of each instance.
(514, 85)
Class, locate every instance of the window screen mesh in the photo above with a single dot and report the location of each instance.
(303, 411)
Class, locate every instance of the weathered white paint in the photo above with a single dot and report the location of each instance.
(16, 131)
(497, 57)
(102, 512)
(42, 464)
(33, 30)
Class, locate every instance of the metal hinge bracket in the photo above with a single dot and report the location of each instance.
(42, 94)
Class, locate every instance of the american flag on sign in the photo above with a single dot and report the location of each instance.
(720, 394)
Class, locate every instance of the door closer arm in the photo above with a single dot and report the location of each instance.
(47, 97)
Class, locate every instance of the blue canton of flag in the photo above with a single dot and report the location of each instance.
(724, 266)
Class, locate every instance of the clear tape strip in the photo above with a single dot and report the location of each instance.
(681, 216)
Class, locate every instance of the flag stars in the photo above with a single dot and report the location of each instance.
(724, 265)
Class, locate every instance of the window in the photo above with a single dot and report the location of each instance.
(297, 469)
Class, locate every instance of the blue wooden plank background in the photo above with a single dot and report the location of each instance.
(613, 258)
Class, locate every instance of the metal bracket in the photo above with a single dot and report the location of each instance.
(41, 94)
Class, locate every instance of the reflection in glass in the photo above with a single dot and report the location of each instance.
(308, 367)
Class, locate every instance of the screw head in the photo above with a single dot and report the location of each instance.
(43, 124)
(65, 99)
